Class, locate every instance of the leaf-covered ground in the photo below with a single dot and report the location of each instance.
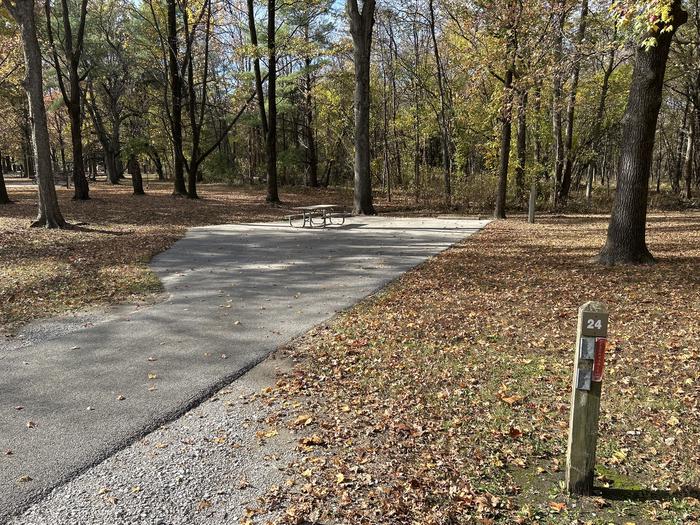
(445, 398)
(105, 259)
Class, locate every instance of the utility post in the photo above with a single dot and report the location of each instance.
(589, 361)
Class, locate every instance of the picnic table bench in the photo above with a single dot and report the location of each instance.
(317, 216)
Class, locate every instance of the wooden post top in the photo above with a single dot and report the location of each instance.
(593, 307)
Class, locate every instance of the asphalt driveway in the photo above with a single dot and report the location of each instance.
(234, 294)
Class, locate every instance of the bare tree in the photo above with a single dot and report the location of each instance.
(72, 94)
(571, 107)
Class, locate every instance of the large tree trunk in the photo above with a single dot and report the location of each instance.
(176, 102)
(626, 240)
(49, 214)
(271, 138)
(569, 139)
(361, 23)
(111, 165)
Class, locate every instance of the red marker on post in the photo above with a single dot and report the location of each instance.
(599, 359)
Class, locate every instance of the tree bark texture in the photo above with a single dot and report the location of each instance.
(49, 214)
(134, 167)
(504, 155)
(626, 239)
(176, 102)
(4, 197)
(361, 24)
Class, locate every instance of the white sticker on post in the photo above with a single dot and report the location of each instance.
(587, 348)
(583, 381)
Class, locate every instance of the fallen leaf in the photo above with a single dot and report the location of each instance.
(556, 506)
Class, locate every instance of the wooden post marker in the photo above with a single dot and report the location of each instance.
(532, 203)
(589, 361)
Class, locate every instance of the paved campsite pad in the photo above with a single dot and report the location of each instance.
(236, 292)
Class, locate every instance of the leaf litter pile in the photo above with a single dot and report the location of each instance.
(445, 398)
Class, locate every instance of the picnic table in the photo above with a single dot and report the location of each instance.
(317, 216)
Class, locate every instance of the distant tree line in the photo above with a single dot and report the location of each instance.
(460, 101)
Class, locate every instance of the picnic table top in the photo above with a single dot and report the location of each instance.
(317, 207)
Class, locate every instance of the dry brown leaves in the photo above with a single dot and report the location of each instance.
(445, 399)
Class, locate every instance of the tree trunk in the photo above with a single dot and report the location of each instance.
(49, 214)
(393, 57)
(589, 182)
(444, 125)
(4, 197)
(558, 140)
(504, 156)
(256, 68)
(688, 161)
(158, 163)
(678, 168)
(532, 203)
(361, 23)
(176, 102)
(72, 97)
(626, 240)
(134, 168)
(111, 166)
(416, 116)
(271, 139)
(571, 107)
(311, 153)
(80, 183)
(386, 166)
(522, 148)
